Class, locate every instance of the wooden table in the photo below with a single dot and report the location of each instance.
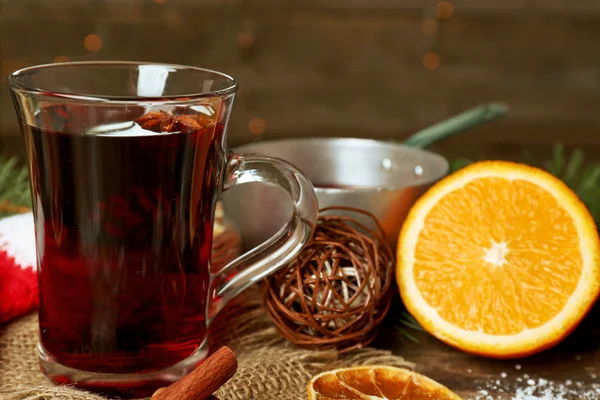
(574, 364)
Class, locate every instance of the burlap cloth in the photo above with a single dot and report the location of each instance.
(269, 367)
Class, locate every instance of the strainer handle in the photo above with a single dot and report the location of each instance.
(458, 123)
(280, 249)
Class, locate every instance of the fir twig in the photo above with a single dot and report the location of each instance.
(405, 323)
(408, 320)
(406, 333)
(14, 187)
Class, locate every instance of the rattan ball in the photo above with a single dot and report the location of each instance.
(337, 291)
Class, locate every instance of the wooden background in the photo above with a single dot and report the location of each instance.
(360, 68)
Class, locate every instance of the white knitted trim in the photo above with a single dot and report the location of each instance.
(17, 237)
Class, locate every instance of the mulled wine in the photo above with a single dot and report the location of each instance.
(124, 228)
(126, 163)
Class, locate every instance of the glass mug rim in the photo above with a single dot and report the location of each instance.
(14, 83)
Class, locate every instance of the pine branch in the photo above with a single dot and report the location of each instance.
(14, 187)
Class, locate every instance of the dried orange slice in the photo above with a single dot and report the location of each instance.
(499, 259)
(374, 382)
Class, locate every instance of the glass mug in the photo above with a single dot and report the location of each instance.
(126, 162)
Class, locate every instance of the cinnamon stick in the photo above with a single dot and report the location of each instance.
(203, 381)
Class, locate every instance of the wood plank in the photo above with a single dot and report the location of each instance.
(320, 68)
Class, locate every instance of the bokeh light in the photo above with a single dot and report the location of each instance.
(431, 61)
(257, 126)
(444, 9)
(246, 40)
(92, 42)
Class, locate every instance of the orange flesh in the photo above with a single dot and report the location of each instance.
(363, 381)
(498, 254)
(329, 386)
(382, 383)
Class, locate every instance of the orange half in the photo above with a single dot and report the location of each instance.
(499, 259)
(376, 382)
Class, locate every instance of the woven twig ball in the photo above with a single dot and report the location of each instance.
(337, 291)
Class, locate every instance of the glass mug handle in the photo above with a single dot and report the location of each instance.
(280, 249)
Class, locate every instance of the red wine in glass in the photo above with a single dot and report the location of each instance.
(123, 266)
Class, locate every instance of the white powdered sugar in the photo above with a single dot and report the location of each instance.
(548, 390)
(524, 387)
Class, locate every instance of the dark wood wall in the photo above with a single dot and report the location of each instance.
(360, 68)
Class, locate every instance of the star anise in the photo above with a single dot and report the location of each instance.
(160, 121)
